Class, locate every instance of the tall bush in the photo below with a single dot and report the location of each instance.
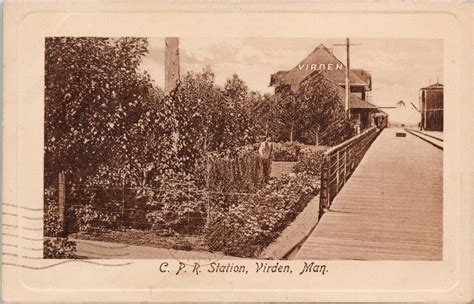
(182, 206)
(310, 163)
(287, 151)
(51, 224)
(235, 172)
(59, 248)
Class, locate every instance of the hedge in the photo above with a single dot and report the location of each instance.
(310, 163)
(287, 152)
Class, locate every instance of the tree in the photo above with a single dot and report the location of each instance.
(209, 118)
(314, 113)
(264, 111)
(291, 113)
(102, 117)
(197, 107)
(325, 115)
(239, 127)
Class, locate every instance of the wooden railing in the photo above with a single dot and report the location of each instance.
(339, 163)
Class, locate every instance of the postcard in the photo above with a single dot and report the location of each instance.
(236, 152)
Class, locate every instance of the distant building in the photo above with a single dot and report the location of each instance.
(323, 61)
(432, 107)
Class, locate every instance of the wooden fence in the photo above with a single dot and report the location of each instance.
(339, 163)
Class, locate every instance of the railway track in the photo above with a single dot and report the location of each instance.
(435, 141)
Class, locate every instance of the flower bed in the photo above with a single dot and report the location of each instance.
(254, 221)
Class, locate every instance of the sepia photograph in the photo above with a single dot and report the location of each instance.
(235, 152)
(216, 148)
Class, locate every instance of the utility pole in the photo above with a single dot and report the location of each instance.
(62, 210)
(348, 69)
(172, 73)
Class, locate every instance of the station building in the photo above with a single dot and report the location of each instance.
(323, 61)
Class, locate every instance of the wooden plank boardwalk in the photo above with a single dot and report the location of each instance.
(390, 209)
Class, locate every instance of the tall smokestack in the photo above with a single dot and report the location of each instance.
(171, 63)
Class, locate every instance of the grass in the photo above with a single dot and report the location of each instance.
(281, 168)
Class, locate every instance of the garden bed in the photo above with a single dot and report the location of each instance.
(241, 211)
(253, 222)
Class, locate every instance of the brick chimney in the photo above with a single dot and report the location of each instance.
(171, 63)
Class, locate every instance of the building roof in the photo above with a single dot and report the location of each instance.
(354, 101)
(333, 69)
(364, 76)
(436, 86)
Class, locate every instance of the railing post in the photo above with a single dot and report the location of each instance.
(345, 167)
(328, 182)
(324, 186)
(337, 172)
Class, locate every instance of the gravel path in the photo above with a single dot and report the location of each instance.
(107, 250)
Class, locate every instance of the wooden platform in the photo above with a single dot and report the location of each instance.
(390, 209)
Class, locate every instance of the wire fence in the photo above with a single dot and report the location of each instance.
(168, 212)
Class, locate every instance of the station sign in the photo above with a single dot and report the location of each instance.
(321, 66)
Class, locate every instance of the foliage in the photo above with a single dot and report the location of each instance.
(239, 127)
(314, 114)
(195, 104)
(88, 219)
(325, 116)
(287, 151)
(51, 225)
(59, 248)
(254, 221)
(291, 115)
(209, 119)
(241, 171)
(183, 206)
(96, 101)
(264, 112)
(310, 163)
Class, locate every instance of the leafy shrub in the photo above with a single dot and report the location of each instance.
(287, 151)
(242, 171)
(183, 206)
(59, 248)
(51, 225)
(310, 163)
(254, 221)
(87, 219)
(137, 219)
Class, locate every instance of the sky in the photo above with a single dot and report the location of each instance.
(399, 67)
